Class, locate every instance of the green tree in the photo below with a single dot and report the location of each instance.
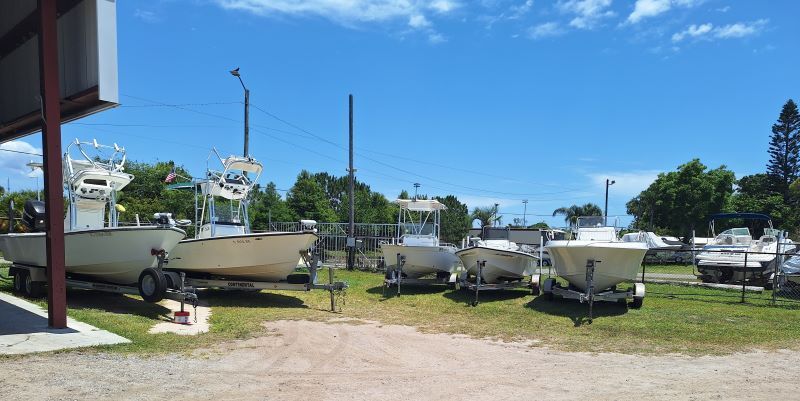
(487, 216)
(540, 225)
(681, 200)
(266, 206)
(148, 193)
(308, 200)
(571, 213)
(455, 219)
(784, 149)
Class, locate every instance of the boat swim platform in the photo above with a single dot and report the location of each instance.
(24, 330)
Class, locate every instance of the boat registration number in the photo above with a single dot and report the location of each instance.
(241, 241)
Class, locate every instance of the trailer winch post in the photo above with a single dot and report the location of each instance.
(481, 264)
(590, 286)
(401, 260)
(744, 274)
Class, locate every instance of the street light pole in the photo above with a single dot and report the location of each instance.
(605, 211)
(235, 73)
(525, 214)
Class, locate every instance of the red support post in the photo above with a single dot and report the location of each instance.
(53, 182)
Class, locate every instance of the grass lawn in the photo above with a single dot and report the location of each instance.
(672, 268)
(673, 319)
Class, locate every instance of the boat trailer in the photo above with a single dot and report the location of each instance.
(478, 285)
(154, 284)
(551, 289)
(295, 282)
(394, 277)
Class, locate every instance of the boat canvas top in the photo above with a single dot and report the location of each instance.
(420, 205)
(418, 222)
(232, 182)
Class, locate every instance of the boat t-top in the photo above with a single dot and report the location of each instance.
(595, 262)
(417, 245)
(96, 246)
(224, 245)
(502, 259)
(723, 259)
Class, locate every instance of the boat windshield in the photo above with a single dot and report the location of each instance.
(596, 221)
(734, 236)
(415, 229)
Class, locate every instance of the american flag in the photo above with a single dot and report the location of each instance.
(171, 176)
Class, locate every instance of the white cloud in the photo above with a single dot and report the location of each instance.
(692, 31)
(651, 8)
(588, 13)
(628, 184)
(545, 30)
(517, 11)
(444, 6)
(342, 11)
(418, 21)
(146, 16)
(730, 31)
(14, 162)
(436, 38)
(739, 29)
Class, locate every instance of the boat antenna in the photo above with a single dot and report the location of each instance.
(221, 160)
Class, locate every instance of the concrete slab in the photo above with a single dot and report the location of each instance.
(198, 322)
(23, 330)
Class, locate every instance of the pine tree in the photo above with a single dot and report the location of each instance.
(784, 149)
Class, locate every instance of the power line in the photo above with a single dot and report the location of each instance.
(21, 152)
(177, 105)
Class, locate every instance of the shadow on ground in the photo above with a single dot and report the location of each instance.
(115, 303)
(248, 299)
(574, 310)
(411, 289)
(467, 297)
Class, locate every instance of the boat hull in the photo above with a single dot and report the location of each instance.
(500, 265)
(422, 260)
(114, 255)
(615, 262)
(268, 256)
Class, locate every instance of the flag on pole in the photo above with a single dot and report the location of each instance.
(171, 176)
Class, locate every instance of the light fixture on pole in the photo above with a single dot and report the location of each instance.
(525, 214)
(36, 166)
(235, 73)
(605, 211)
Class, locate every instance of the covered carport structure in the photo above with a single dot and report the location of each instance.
(58, 62)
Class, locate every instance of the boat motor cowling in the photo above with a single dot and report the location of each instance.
(33, 215)
(164, 219)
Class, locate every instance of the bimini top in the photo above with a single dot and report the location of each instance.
(420, 205)
(749, 216)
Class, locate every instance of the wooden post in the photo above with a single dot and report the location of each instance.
(53, 182)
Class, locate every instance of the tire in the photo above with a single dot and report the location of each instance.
(33, 289)
(637, 302)
(535, 291)
(19, 281)
(152, 285)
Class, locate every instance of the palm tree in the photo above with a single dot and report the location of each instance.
(487, 215)
(572, 213)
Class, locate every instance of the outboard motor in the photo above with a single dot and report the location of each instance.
(33, 215)
(164, 219)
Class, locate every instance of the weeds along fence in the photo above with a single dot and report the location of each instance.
(768, 276)
(332, 243)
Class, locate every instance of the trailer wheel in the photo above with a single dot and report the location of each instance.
(152, 285)
(33, 289)
(637, 302)
(548, 288)
(638, 295)
(19, 281)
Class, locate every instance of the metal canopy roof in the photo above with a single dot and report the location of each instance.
(87, 42)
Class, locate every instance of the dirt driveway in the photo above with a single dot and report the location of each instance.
(357, 361)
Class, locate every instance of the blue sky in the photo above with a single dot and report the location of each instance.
(492, 100)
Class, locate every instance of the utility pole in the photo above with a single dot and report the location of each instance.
(235, 73)
(496, 213)
(351, 239)
(525, 214)
(605, 210)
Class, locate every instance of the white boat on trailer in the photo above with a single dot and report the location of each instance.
(417, 251)
(594, 263)
(225, 253)
(734, 256)
(99, 253)
(492, 262)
